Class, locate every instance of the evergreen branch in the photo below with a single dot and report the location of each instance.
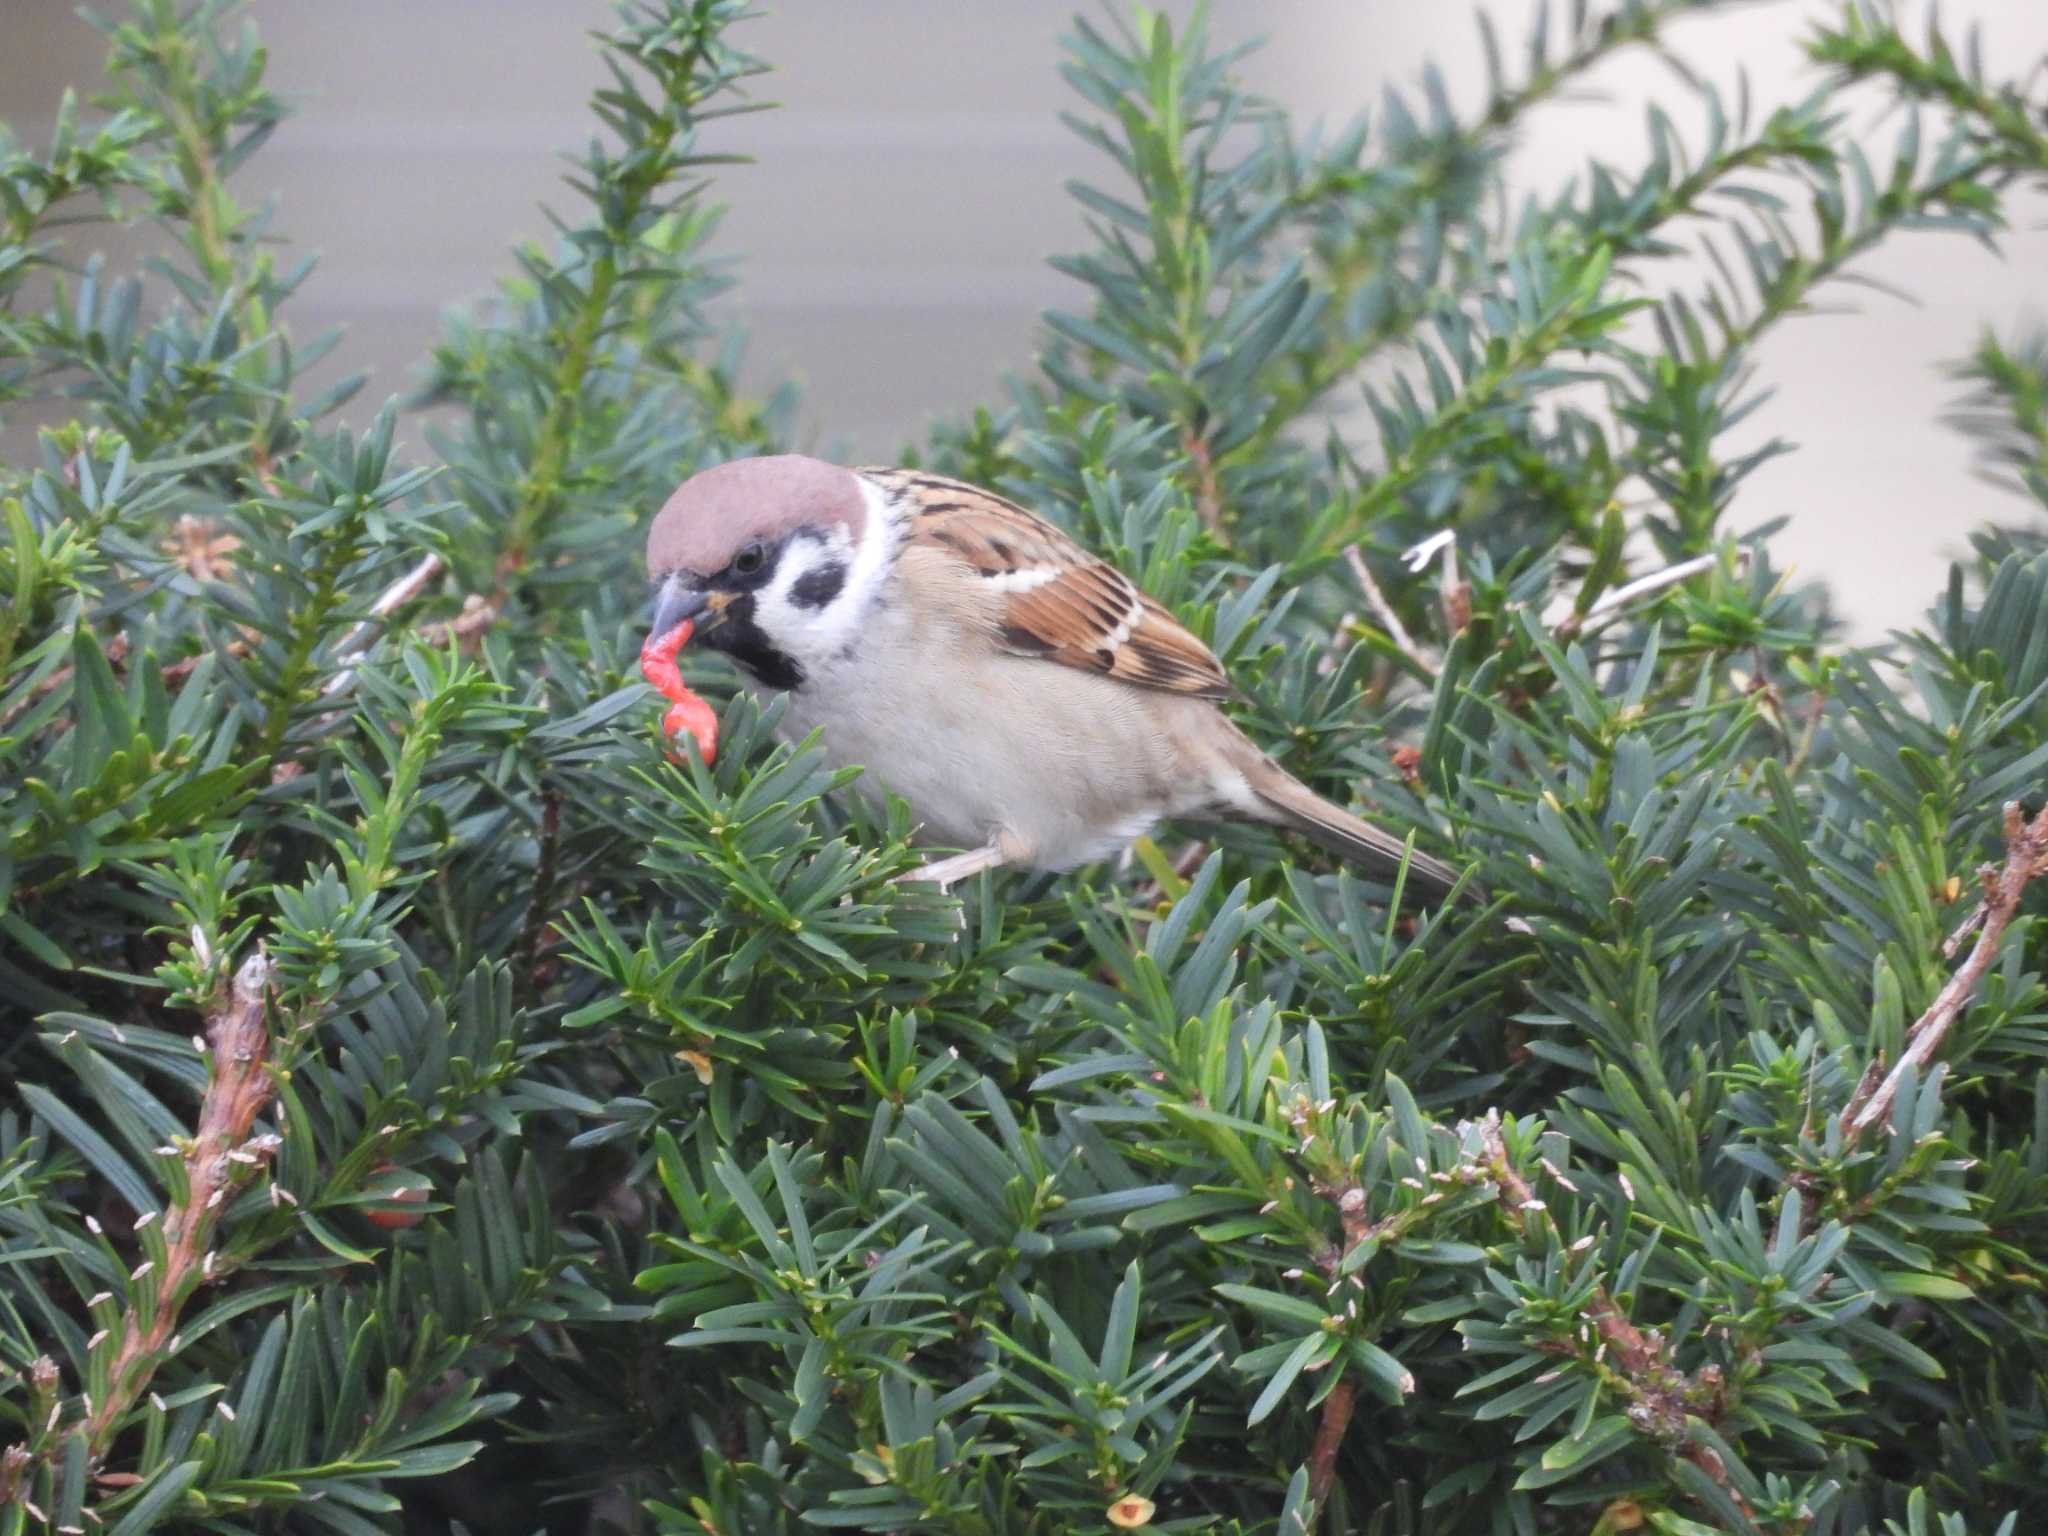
(2026, 857)
(542, 492)
(158, 58)
(31, 186)
(1785, 292)
(1636, 22)
(1420, 176)
(540, 905)
(1664, 1397)
(1397, 195)
(1579, 315)
(212, 213)
(307, 623)
(220, 1156)
(1350, 1199)
(626, 192)
(2007, 411)
(1868, 45)
(1790, 138)
(1611, 605)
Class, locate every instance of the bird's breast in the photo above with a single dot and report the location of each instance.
(1067, 763)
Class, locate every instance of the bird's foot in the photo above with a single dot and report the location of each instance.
(948, 872)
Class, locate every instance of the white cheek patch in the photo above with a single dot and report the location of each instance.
(802, 611)
(788, 609)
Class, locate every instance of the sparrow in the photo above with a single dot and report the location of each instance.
(1028, 702)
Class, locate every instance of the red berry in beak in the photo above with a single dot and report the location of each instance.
(687, 712)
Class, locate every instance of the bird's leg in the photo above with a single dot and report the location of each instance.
(949, 872)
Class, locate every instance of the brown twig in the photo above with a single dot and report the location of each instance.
(1208, 493)
(1342, 1398)
(116, 651)
(220, 1156)
(1662, 1396)
(478, 614)
(1816, 711)
(2026, 856)
(179, 670)
(1322, 1459)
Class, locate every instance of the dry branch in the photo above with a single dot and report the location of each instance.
(2026, 856)
(1612, 604)
(237, 1089)
(1425, 660)
(1208, 494)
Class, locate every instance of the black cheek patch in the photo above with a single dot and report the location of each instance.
(814, 589)
(743, 640)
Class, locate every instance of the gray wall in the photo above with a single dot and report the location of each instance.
(908, 190)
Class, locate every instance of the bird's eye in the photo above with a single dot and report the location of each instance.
(750, 559)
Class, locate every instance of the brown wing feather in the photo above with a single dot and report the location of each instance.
(1060, 602)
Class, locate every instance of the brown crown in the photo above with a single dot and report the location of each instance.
(716, 513)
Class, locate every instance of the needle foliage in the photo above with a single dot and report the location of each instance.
(429, 1106)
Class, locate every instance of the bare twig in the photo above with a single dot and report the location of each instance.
(1454, 597)
(1425, 660)
(355, 644)
(178, 671)
(1322, 1459)
(221, 1156)
(1968, 926)
(2026, 856)
(1816, 710)
(1612, 604)
(478, 614)
(1208, 494)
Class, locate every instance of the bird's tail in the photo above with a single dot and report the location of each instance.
(1290, 803)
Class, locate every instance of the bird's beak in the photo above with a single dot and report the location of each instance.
(677, 601)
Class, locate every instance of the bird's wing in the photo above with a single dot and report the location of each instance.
(1058, 602)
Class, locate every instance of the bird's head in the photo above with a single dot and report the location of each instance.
(765, 556)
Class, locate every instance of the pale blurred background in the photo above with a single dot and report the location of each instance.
(894, 230)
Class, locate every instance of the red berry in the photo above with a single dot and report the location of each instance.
(686, 712)
(411, 1194)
